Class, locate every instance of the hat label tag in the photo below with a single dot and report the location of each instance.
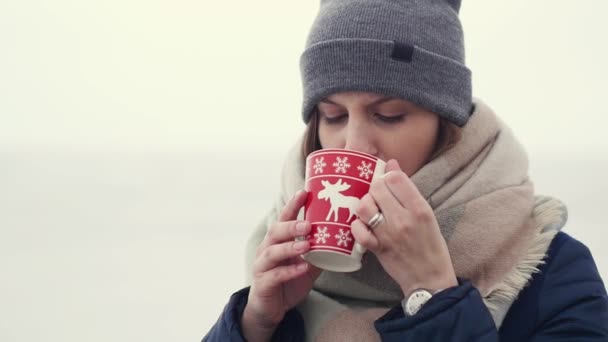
(402, 52)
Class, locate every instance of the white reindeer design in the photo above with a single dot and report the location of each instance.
(332, 193)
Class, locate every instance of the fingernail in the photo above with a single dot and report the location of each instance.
(302, 266)
(301, 228)
(300, 245)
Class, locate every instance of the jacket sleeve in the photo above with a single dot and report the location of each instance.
(228, 326)
(572, 301)
(455, 314)
(567, 301)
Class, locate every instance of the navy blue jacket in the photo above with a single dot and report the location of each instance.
(565, 301)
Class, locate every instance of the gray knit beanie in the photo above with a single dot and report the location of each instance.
(411, 49)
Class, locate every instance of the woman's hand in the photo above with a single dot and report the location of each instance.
(281, 278)
(408, 243)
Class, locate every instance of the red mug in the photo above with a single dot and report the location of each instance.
(336, 180)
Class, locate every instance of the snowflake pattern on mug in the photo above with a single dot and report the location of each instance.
(321, 235)
(366, 169)
(319, 165)
(343, 238)
(341, 164)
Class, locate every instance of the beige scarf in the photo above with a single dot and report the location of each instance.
(496, 230)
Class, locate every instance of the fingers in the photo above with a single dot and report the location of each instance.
(402, 187)
(279, 245)
(386, 202)
(286, 228)
(367, 208)
(285, 231)
(291, 209)
(274, 255)
(278, 275)
(364, 236)
(391, 165)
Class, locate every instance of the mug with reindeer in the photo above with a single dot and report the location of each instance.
(336, 180)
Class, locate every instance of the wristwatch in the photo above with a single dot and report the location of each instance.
(417, 298)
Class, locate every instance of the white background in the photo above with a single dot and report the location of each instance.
(140, 143)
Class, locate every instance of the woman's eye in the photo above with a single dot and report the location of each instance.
(334, 119)
(390, 119)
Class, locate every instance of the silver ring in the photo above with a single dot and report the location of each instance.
(375, 220)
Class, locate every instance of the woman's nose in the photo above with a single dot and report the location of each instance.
(359, 138)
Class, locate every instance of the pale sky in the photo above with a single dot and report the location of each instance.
(191, 75)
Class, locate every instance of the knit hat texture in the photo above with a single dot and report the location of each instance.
(410, 49)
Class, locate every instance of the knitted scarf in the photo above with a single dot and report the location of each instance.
(497, 231)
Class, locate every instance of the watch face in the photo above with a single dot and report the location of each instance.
(416, 300)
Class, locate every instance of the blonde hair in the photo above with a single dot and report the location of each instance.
(449, 134)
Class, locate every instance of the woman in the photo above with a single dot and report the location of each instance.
(465, 251)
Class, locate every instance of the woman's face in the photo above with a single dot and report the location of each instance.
(386, 127)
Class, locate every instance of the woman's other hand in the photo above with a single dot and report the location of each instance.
(281, 278)
(408, 244)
